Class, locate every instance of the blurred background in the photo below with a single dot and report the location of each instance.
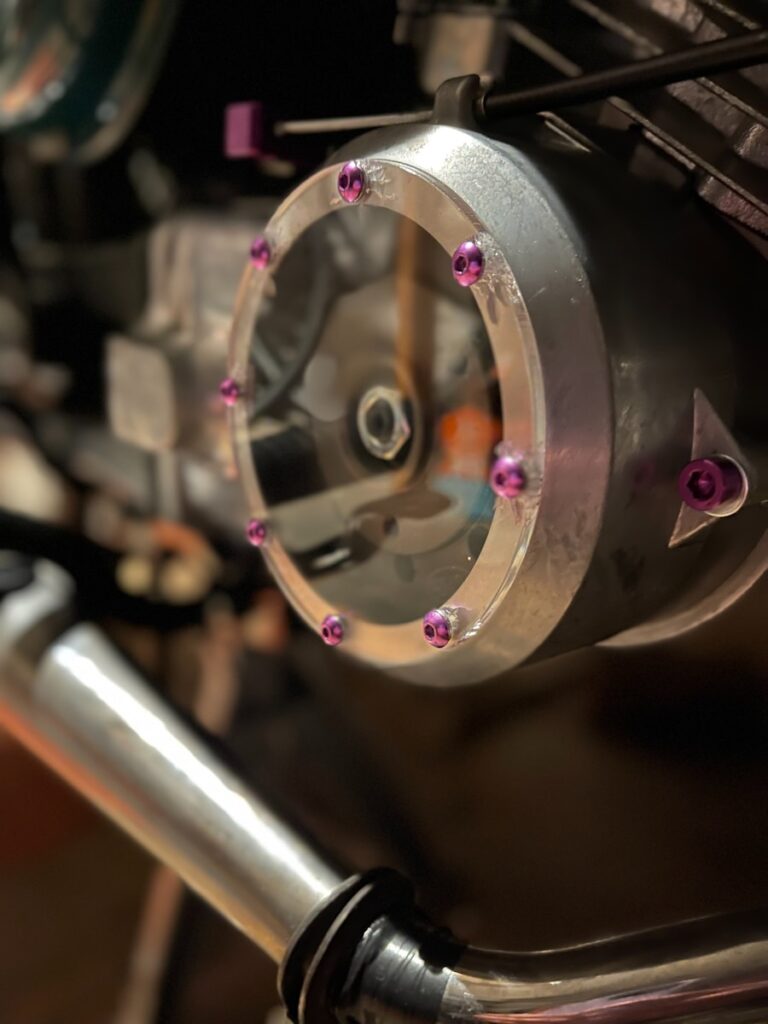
(596, 793)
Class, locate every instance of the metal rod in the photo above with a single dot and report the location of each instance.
(89, 715)
(704, 59)
(350, 124)
(665, 69)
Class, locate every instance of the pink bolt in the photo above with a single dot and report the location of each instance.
(229, 390)
(256, 532)
(507, 478)
(708, 484)
(351, 182)
(332, 630)
(438, 627)
(468, 264)
(261, 253)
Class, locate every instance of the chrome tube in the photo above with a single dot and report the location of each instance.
(717, 971)
(711, 971)
(87, 713)
(75, 702)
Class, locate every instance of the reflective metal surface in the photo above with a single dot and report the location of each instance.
(714, 972)
(78, 72)
(595, 361)
(95, 721)
(711, 971)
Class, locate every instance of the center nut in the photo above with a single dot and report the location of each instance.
(382, 422)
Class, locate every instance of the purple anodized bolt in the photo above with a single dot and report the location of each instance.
(507, 477)
(229, 390)
(351, 182)
(708, 484)
(261, 253)
(256, 532)
(468, 264)
(332, 630)
(438, 627)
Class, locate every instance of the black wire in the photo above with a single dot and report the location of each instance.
(698, 61)
(93, 568)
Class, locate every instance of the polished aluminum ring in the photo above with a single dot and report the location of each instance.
(529, 568)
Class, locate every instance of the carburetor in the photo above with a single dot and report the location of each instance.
(490, 402)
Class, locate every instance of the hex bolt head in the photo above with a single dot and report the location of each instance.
(707, 484)
(437, 626)
(468, 264)
(507, 477)
(256, 532)
(383, 425)
(230, 391)
(261, 253)
(332, 630)
(351, 182)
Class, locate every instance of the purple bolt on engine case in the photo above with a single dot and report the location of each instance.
(468, 264)
(708, 484)
(229, 390)
(256, 532)
(437, 627)
(351, 182)
(332, 630)
(261, 253)
(507, 477)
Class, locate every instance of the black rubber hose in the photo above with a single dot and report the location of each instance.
(93, 569)
(704, 59)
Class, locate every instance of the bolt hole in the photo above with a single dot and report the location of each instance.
(702, 485)
(380, 421)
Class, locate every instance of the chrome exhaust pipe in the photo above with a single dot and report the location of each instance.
(80, 707)
(354, 949)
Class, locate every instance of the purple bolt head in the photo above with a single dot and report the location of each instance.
(256, 532)
(261, 253)
(229, 390)
(332, 630)
(438, 628)
(507, 477)
(351, 182)
(707, 484)
(468, 264)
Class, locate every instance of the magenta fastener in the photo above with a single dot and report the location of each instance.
(229, 390)
(507, 477)
(708, 484)
(468, 264)
(245, 130)
(256, 532)
(332, 630)
(438, 627)
(351, 182)
(261, 253)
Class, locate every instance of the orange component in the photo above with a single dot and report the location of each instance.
(467, 437)
(174, 537)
